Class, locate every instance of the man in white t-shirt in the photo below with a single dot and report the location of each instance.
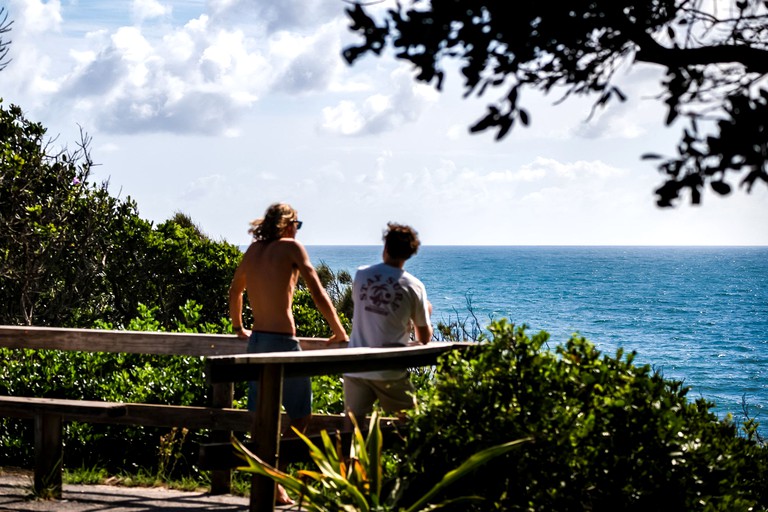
(389, 304)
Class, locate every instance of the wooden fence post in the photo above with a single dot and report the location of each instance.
(48, 455)
(222, 396)
(266, 434)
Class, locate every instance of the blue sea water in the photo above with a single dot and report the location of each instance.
(696, 314)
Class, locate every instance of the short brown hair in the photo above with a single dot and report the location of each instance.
(401, 241)
(277, 217)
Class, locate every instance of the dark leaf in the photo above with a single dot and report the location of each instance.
(695, 196)
(512, 96)
(671, 115)
(524, 117)
(721, 187)
(491, 119)
(505, 124)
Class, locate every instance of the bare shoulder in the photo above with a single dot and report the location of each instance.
(253, 250)
(291, 245)
(294, 250)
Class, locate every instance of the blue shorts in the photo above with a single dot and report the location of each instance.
(297, 391)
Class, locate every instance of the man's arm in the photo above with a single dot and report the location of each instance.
(236, 290)
(319, 295)
(424, 332)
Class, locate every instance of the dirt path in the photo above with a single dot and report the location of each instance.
(16, 485)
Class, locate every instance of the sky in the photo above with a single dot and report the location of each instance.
(219, 108)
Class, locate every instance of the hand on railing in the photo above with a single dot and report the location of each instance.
(242, 332)
(337, 338)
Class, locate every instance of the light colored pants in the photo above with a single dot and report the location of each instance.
(393, 395)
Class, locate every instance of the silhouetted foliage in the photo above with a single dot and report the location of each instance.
(716, 61)
(5, 27)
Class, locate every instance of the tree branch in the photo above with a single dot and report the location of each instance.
(755, 60)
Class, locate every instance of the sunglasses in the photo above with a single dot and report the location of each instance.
(298, 224)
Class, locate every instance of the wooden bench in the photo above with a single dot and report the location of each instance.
(49, 413)
(225, 364)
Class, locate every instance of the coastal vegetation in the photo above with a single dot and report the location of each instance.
(606, 433)
(354, 481)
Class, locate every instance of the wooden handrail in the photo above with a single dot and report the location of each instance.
(241, 367)
(134, 342)
(269, 370)
(227, 362)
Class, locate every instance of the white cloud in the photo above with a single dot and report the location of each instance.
(201, 77)
(344, 119)
(204, 187)
(193, 80)
(311, 62)
(379, 113)
(143, 83)
(35, 17)
(149, 9)
(524, 174)
(279, 15)
(27, 72)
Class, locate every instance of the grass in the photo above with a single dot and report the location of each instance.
(142, 478)
(241, 482)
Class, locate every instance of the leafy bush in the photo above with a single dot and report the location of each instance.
(55, 229)
(176, 380)
(608, 435)
(71, 254)
(168, 266)
(357, 482)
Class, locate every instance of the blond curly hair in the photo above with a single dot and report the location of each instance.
(277, 217)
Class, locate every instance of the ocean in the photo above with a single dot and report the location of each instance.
(696, 314)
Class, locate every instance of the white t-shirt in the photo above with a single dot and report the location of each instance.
(386, 300)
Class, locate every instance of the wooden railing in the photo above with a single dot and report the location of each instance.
(270, 370)
(226, 363)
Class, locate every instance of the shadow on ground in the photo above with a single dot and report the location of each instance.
(16, 487)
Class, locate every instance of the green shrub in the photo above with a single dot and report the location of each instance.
(175, 380)
(71, 254)
(608, 435)
(357, 482)
(56, 229)
(339, 288)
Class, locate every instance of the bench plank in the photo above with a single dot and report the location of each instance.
(243, 367)
(26, 407)
(48, 414)
(134, 342)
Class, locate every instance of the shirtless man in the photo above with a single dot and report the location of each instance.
(269, 271)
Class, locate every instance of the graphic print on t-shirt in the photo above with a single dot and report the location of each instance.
(381, 296)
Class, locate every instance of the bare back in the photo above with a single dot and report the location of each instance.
(270, 271)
